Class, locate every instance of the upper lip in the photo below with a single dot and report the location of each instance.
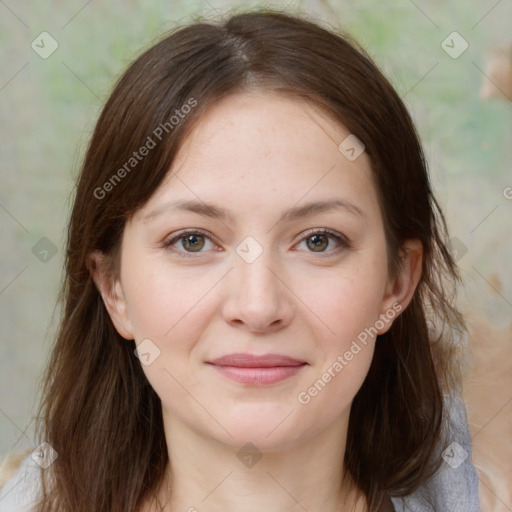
(253, 361)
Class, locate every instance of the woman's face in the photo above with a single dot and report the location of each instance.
(289, 262)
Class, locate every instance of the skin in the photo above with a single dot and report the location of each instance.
(257, 154)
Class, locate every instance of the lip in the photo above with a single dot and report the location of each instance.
(242, 360)
(257, 370)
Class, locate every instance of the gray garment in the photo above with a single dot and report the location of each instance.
(454, 488)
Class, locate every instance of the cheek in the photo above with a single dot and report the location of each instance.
(347, 304)
(344, 357)
(172, 311)
(172, 308)
(349, 307)
(162, 300)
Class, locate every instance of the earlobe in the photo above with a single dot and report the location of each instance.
(401, 288)
(112, 294)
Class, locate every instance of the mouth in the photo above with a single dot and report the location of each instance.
(257, 370)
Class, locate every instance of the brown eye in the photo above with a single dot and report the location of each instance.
(324, 241)
(192, 243)
(318, 242)
(188, 243)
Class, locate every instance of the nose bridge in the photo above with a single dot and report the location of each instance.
(252, 267)
(258, 298)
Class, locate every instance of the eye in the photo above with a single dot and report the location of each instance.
(190, 242)
(318, 241)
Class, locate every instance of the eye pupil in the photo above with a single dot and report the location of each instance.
(319, 242)
(193, 242)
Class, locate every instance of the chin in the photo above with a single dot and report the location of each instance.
(270, 427)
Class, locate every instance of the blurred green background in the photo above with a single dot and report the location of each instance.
(49, 106)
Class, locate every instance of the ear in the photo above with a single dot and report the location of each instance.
(111, 291)
(401, 287)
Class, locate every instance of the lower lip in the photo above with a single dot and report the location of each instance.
(258, 376)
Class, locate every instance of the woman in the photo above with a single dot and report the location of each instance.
(257, 303)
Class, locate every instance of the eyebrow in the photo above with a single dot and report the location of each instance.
(293, 213)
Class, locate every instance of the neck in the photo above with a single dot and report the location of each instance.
(206, 475)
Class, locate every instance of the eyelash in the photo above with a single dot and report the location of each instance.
(343, 242)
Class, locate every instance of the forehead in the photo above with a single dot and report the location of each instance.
(272, 116)
(263, 149)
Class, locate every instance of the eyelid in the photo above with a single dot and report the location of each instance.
(323, 231)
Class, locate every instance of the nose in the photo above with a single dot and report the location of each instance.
(257, 297)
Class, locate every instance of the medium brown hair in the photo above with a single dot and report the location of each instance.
(98, 410)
